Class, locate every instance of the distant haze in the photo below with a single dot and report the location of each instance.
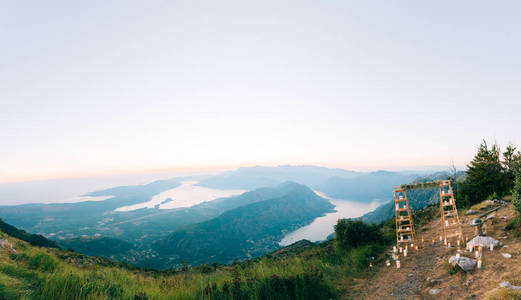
(69, 190)
(98, 87)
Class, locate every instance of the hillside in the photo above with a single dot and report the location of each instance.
(33, 239)
(98, 246)
(300, 271)
(303, 270)
(248, 231)
(130, 239)
(426, 274)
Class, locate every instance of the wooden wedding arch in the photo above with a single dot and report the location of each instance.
(450, 223)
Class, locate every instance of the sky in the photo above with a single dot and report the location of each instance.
(108, 87)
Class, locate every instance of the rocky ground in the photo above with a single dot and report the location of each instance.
(426, 273)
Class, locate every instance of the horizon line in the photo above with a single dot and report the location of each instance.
(200, 170)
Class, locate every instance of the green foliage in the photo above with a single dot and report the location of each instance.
(516, 193)
(78, 286)
(356, 233)
(43, 262)
(451, 269)
(6, 293)
(514, 224)
(424, 216)
(421, 185)
(462, 199)
(494, 196)
(302, 286)
(511, 163)
(98, 246)
(485, 175)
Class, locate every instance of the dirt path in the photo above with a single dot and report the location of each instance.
(426, 269)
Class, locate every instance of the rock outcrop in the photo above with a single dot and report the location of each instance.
(465, 263)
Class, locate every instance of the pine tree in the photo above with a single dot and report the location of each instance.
(485, 175)
(509, 162)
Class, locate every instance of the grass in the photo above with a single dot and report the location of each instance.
(43, 273)
(504, 294)
(314, 272)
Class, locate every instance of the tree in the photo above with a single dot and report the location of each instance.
(485, 175)
(509, 163)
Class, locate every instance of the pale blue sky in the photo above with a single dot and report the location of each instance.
(113, 86)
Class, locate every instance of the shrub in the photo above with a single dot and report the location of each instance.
(516, 193)
(451, 269)
(356, 233)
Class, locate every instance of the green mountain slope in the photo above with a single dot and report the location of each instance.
(247, 231)
(33, 239)
(97, 246)
(302, 271)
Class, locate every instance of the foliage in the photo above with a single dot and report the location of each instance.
(424, 216)
(509, 162)
(485, 175)
(356, 233)
(421, 185)
(43, 262)
(98, 246)
(451, 269)
(516, 192)
(514, 224)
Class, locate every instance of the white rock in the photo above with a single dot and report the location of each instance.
(508, 285)
(434, 291)
(465, 263)
(506, 255)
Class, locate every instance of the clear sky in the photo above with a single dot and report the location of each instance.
(96, 87)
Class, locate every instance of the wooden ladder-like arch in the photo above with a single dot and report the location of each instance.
(450, 223)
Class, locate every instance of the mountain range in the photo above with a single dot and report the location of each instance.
(279, 200)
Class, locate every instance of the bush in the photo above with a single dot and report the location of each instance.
(351, 233)
(516, 193)
(43, 262)
(514, 225)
